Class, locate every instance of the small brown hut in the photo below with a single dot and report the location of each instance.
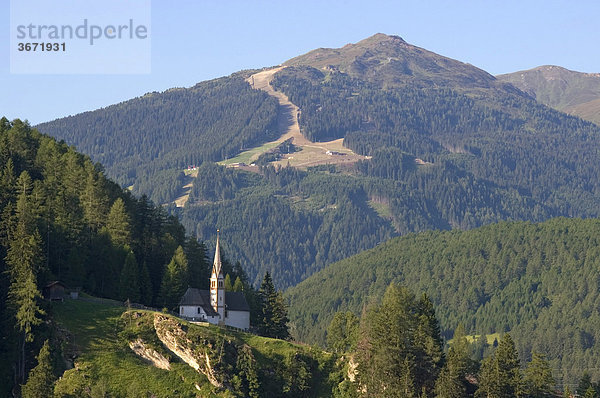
(55, 291)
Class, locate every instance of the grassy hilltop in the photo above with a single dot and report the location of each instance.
(230, 364)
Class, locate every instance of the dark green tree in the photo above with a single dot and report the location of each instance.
(174, 281)
(392, 357)
(238, 285)
(129, 286)
(500, 374)
(342, 333)
(227, 283)
(246, 380)
(40, 383)
(538, 380)
(198, 264)
(24, 259)
(273, 322)
(296, 376)
(118, 224)
(585, 385)
(145, 284)
(452, 382)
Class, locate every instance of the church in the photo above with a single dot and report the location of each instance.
(216, 306)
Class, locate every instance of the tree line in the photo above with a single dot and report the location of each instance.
(396, 350)
(536, 281)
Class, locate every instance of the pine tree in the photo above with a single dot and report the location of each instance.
(342, 333)
(24, 260)
(238, 286)
(429, 355)
(93, 199)
(452, 383)
(538, 378)
(227, 284)
(273, 322)
(40, 383)
(500, 375)
(145, 284)
(585, 383)
(174, 280)
(400, 348)
(118, 224)
(198, 264)
(129, 287)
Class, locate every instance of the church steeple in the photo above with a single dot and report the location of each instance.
(217, 284)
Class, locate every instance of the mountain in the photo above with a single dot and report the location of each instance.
(538, 281)
(390, 61)
(146, 142)
(405, 140)
(568, 91)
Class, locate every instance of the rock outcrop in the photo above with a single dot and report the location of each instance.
(175, 339)
(149, 354)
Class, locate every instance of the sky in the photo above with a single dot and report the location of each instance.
(196, 40)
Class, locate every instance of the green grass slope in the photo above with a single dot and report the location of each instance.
(540, 281)
(98, 335)
(573, 92)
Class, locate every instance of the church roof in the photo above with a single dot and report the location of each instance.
(234, 301)
(198, 298)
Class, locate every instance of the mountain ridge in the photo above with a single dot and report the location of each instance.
(389, 55)
(573, 92)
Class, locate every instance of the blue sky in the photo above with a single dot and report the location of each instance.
(196, 40)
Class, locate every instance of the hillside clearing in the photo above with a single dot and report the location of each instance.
(311, 153)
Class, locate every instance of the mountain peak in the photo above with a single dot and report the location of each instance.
(388, 60)
(381, 37)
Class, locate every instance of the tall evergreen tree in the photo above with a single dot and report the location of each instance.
(93, 199)
(247, 378)
(398, 351)
(198, 264)
(585, 384)
(342, 333)
(273, 322)
(452, 382)
(500, 374)
(40, 383)
(238, 286)
(118, 224)
(538, 380)
(145, 284)
(174, 280)
(24, 260)
(129, 286)
(227, 284)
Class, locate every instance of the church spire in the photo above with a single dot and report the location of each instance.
(217, 262)
(217, 286)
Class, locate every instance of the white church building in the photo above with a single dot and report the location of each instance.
(216, 306)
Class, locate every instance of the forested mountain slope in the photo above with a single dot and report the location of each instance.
(572, 92)
(538, 281)
(147, 141)
(451, 147)
(62, 219)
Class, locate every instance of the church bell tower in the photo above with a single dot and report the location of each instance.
(217, 285)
